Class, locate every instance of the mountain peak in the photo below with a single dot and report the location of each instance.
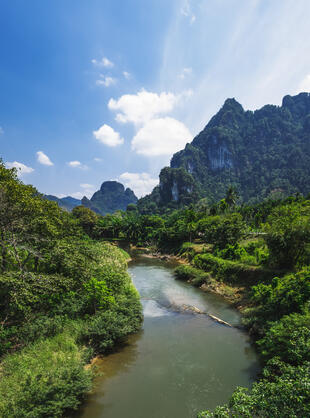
(232, 104)
(112, 186)
(111, 197)
(298, 105)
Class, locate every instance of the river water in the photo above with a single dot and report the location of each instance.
(180, 363)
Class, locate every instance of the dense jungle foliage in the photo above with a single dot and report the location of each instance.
(264, 154)
(259, 255)
(65, 294)
(63, 298)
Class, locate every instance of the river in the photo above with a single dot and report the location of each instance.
(180, 363)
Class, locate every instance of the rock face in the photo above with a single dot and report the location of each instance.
(111, 197)
(67, 203)
(263, 154)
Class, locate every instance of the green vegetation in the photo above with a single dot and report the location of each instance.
(256, 255)
(45, 379)
(195, 276)
(64, 298)
(65, 293)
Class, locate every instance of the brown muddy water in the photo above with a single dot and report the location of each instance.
(180, 363)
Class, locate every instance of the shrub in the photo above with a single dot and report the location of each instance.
(231, 271)
(222, 230)
(289, 339)
(231, 252)
(105, 329)
(284, 295)
(288, 234)
(286, 395)
(195, 276)
(45, 379)
(187, 250)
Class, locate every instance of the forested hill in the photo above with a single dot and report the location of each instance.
(111, 197)
(67, 203)
(263, 154)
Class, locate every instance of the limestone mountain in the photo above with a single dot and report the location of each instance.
(263, 154)
(111, 197)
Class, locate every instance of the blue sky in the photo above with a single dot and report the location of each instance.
(98, 90)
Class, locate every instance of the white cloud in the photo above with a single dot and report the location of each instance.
(43, 158)
(104, 62)
(143, 106)
(106, 135)
(140, 183)
(77, 164)
(74, 164)
(127, 75)
(185, 72)
(105, 81)
(305, 85)
(98, 160)
(162, 136)
(21, 168)
(87, 186)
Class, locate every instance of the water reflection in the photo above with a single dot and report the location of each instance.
(109, 367)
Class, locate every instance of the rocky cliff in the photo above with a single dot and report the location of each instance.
(263, 154)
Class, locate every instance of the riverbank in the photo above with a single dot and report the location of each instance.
(51, 370)
(237, 295)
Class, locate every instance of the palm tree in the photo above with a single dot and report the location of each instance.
(231, 196)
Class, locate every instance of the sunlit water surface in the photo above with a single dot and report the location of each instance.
(180, 363)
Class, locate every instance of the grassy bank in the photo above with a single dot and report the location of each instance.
(44, 373)
(64, 298)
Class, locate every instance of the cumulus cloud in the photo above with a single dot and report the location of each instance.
(43, 158)
(140, 183)
(77, 164)
(127, 75)
(104, 62)
(106, 135)
(105, 81)
(21, 168)
(162, 136)
(143, 106)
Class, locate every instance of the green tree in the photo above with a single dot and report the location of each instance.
(86, 217)
(222, 230)
(288, 234)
